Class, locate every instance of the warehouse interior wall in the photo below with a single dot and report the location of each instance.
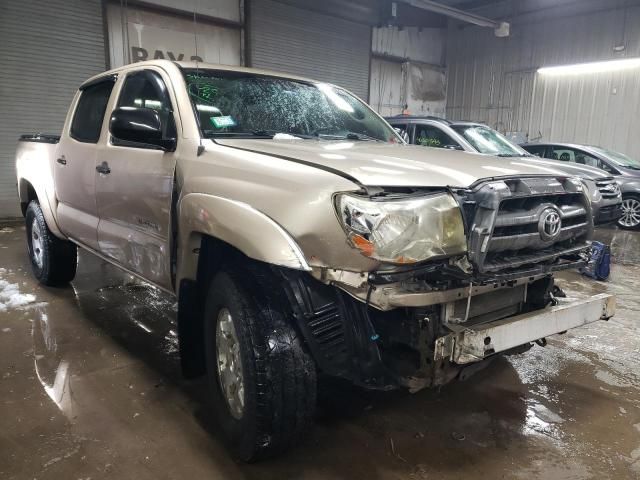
(46, 57)
(408, 71)
(495, 80)
(138, 33)
(47, 49)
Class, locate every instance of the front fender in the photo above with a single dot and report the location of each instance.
(236, 223)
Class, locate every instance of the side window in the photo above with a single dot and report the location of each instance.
(146, 89)
(537, 151)
(587, 159)
(402, 129)
(89, 114)
(400, 126)
(564, 154)
(429, 136)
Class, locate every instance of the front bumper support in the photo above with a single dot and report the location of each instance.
(472, 344)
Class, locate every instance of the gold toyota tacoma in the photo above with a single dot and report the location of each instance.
(301, 236)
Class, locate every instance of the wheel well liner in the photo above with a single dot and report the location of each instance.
(336, 328)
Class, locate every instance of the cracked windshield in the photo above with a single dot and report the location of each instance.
(486, 140)
(240, 105)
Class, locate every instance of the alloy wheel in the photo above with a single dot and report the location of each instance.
(229, 360)
(630, 213)
(36, 243)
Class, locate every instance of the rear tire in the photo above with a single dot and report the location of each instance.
(53, 260)
(262, 381)
(630, 219)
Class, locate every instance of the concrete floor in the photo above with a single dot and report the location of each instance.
(90, 388)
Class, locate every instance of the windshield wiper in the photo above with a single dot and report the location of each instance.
(342, 136)
(262, 133)
(360, 136)
(273, 133)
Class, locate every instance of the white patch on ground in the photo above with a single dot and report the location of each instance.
(11, 298)
(635, 460)
(611, 379)
(6, 230)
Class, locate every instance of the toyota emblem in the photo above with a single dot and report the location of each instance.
(550, 224)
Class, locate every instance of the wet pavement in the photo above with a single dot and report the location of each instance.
(90, 387)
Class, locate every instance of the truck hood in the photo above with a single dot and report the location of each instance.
(394, 165)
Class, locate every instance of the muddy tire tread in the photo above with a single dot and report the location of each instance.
(60, 258)
(283, 398)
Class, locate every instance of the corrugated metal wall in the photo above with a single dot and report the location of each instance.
(408, 71)
(47, 49)
(307, 43)
(494, 80)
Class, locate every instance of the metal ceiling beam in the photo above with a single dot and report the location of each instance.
(501, 29)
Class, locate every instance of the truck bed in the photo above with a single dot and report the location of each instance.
(40, 138)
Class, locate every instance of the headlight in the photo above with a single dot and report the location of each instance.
(403, 231)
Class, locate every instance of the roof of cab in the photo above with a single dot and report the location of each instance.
(200, 65)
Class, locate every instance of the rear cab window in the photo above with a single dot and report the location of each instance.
(90, 109)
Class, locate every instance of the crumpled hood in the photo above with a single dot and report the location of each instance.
(394, 165)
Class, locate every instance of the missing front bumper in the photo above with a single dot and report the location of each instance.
(469, 345)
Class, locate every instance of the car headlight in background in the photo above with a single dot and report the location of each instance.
(408, 230)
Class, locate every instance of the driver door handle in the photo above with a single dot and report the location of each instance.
(103, 168)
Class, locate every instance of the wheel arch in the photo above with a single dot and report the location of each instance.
(28, 192)
(236, 224)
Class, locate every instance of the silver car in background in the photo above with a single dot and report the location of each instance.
(604, 192)
(624, 169)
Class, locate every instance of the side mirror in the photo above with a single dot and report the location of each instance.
(453, 147)
(139, 125)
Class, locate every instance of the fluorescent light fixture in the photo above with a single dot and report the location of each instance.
(593, 67)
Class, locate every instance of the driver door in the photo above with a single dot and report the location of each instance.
(134, 186)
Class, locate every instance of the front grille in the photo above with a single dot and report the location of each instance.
(517, 224)
(525, 221)
(608, 187)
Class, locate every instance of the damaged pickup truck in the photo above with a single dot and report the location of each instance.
(302, 237)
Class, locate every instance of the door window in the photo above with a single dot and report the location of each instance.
(89, 114)
(430, 136)
(578, 156)
(537, 151)
(402, 129)
(146, 89)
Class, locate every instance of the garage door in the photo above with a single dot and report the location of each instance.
(47, 49)
(311, 44)
(137, 34)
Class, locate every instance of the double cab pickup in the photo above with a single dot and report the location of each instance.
(302, 237)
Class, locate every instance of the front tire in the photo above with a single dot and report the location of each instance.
(630, 219)
(262, 381)
(53, 260)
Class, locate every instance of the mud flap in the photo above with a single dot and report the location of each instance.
(190, 330)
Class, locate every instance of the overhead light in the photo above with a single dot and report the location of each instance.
(593, 67)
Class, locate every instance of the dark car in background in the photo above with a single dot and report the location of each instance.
(474, 137)
(623, 168)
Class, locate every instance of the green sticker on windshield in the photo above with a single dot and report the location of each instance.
(223, 122)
